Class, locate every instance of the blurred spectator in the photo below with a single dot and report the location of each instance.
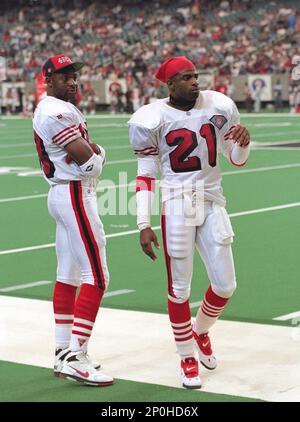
(10, 100)
(278, 104)
(88, 102)
(248, 98)
(130, 39)
(136, 96)
(256, 95)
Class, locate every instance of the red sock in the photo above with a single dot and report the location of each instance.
(86, 309)
(210, 310)
(63, 307)
(180, 318)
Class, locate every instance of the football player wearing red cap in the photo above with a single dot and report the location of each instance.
(71, 165)
(182, 134)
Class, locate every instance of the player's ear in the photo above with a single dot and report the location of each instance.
(170, 84)
(48, 81)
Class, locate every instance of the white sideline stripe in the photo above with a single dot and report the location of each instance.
(103, 187)
(25, 286)
(118, 292)
(253, 358)
(120, 234)
(287, 316)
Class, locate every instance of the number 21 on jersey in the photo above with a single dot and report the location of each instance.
(186, 141)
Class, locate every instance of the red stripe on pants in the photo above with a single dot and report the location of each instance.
(88, 238)
(167, 257)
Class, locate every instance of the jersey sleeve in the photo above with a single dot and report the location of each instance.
(143, 141)
(145, 147)
(61, 129)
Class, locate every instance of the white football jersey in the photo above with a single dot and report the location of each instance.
(56, 123)
(184, 143)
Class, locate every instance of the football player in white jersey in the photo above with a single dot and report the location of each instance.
(71, 165)
(182, 135)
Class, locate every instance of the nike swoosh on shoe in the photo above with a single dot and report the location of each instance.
(83, 374)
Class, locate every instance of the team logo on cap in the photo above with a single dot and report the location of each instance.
(218, 120)
(64, 60)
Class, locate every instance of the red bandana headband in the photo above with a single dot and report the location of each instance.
(172, 66)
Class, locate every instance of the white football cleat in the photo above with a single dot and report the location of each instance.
(205, 352)
(60, 355)
(190, 373)
(77, 367)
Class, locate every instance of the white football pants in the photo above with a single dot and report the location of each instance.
(212, 239)
(80, 237)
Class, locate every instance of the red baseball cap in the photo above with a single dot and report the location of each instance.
(172, 66)
(56, 63)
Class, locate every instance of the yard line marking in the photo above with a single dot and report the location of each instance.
(101, 187)
(266, 148)
(108, 147)
(28, 248)
(132, 160)
(275, 143)
(118, 292)
(267, 135)
(261, 210)
(23, 198)
(258, 169)
(44, 282)
(17, 145)
(25, 286)
(122, 125)
(270, 124)
(9, 157)
(120, 234)
(30, 173)
(288, 316)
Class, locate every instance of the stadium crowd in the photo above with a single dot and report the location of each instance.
(122, 39)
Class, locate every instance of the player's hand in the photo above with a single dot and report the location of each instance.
(147, 236)
(239, 134)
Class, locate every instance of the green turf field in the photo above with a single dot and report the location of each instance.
(263, 199)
